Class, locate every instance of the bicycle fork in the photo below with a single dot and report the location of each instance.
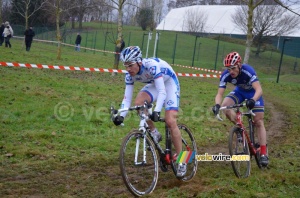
(137, 146)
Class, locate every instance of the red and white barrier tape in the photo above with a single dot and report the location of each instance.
(197, 68)
(66, 44)
(199, 75)
(40, 66)
(104, 51)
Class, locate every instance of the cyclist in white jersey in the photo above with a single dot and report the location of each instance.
(162, 86)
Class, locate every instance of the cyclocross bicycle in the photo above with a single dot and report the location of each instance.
(242, 141)
(139, 161)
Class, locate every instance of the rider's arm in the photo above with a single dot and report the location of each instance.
(127, 98)
(258, 90)
(219, 96)
(162, 94)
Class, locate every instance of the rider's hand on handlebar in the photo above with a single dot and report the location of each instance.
(118, 120)
(216, 109)
(250, 103)
(155, 116)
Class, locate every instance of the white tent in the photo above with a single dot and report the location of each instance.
(218, 20)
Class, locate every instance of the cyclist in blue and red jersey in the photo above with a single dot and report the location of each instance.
(247, 87)
(162, 86)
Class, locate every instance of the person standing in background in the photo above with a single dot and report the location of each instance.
(29, 34)
(122, 44)
(8, 33)
(77, 42)
(1, 34)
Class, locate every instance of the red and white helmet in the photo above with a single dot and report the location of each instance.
(232, 59)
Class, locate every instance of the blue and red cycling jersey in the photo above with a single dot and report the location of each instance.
(243, 81)
(243, 89)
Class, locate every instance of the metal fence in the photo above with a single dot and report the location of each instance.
(204, 51)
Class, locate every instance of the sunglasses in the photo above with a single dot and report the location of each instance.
(129, 64)
(232, 68)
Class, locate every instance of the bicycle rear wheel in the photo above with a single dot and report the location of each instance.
(238, 146)
(188, 144)
(139, 174)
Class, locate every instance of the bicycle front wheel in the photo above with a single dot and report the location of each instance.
(189, 146)
(239, 152)
(138, 163)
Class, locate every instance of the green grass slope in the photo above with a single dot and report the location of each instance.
(57, 139)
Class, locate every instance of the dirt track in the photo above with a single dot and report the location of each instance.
(166, 181)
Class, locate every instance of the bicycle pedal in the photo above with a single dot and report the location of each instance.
(256, 145)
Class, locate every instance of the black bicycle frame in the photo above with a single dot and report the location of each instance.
(160, 150)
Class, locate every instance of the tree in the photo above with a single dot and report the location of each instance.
(6, 10)
(102, 11)
(185, 3)
(268, 20)
(59, 7)
(130, 11)
(27, 8)
(195, 20)
(118, 4)
(171, 5)
(251, 4)
(80, 8)
(1, 3)
(155, 9)
(145, 17)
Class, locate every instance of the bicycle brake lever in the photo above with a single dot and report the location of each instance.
(251, 112)
(113, 112)
(219, 118)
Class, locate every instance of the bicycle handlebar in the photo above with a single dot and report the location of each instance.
(235, 106)
(115, 112)
(146, 105)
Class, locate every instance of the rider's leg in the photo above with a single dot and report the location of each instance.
(140, 99)
(171, 121)
(261, 131)
(230, 114)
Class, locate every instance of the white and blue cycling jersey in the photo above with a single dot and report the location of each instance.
(162, 85)
(243, 89)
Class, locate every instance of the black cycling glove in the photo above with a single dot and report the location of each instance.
(250, 103)
(155, 116)
(216, 109)
(118, 120)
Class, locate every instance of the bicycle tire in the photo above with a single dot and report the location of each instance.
(237, 147)
(255, 144)
(139, 179)
(188, 144)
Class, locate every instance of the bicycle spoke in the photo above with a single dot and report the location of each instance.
(239, 146)
(139, 175)
(188, 144)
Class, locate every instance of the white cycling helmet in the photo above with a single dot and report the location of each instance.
(131, 54)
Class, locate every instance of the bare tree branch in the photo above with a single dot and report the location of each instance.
(24, 9)
(286, 7)
(195, 20)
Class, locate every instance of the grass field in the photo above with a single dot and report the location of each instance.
(57, 139)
